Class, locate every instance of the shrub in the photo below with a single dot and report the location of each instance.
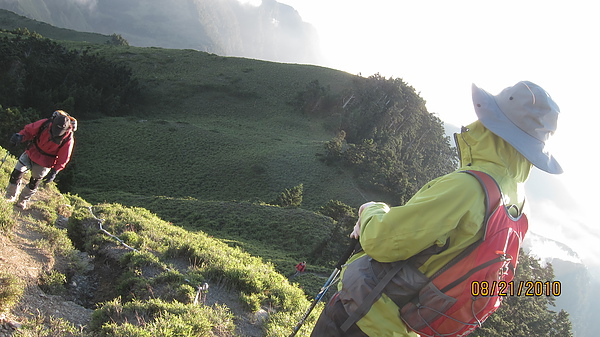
(53, 282)
(340, 212)
(11, 290)
(117, 40)
(157, 318)
(290, 197)
(39, 73)
(141, 259)
(40, 325)
(7, 217)
(55, 240)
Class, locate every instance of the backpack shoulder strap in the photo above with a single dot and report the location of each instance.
(44, 126)
(40, 130)
(370, 298)
(493, 195)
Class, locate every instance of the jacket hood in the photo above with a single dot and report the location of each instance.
(480, 149)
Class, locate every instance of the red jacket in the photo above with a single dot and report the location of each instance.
(56, 155)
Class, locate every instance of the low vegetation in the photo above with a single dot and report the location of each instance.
(155, 280)
(11, 290)
(165, 265)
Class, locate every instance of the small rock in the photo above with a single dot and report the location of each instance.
(15, 325)
(261, 316)
(61, 221)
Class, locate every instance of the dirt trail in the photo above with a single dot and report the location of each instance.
(21, 256)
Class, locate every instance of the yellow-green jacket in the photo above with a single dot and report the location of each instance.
(450, 207)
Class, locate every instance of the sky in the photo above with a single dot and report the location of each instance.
(441, 47)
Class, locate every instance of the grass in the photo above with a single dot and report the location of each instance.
(154, 286)
(7, 217)
(260, 229)
(148, 273)
(211, 145)
(215, 139)
(157, 318)
(11, 290)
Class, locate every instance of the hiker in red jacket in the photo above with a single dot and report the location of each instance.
(51, 144)
(299, 269)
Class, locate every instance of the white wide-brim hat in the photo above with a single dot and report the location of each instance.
(525, 116)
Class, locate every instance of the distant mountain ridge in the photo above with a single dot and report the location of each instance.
(536, 245)
(271, 31)
(578, 296)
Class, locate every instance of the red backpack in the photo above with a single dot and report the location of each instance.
(449, 305)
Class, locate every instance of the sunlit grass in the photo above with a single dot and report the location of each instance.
(257, 282)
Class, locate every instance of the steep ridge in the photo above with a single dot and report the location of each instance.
(271, 31)
(73, 286)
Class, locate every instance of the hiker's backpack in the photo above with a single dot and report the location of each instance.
(460, 297)
(46, 124)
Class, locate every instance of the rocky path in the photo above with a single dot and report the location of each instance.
(21, 256)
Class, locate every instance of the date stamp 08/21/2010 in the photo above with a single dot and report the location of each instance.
(512, 288)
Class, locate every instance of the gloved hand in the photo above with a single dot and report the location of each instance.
(16, 138)
(356, 232)
(50, 176)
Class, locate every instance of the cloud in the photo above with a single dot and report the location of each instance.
(87, 4)
(546, 250)
(255, 3)
(569, 226)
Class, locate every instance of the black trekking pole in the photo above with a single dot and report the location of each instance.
(6, 155)
(323, 291)
(4, 159)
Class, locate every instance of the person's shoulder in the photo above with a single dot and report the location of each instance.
(454, 187)
(459, 179)
(37, 123)
(33, 128)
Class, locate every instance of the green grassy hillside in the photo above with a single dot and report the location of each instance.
(138, 273)
(212, 128)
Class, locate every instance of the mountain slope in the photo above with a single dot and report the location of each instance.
(10, 21)
(213, 128)
(272, 31)
(577, 297)
(126, 273)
